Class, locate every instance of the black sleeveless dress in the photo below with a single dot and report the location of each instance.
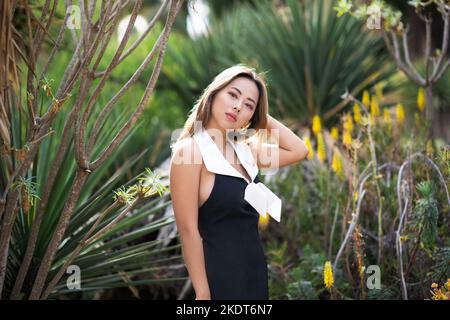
(235, 262)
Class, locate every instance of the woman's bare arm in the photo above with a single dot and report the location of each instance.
(185, 171)
(290, 149)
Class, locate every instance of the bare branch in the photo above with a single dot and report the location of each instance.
(175, 6)
(81, 125)
(35, 47)
(394, 51)
(352, 225)
(398, 247)
(85, 30)
(84, 62)
(103, 113)
(441, 72)
(438, 72)
(80, 152)
(37, 40)
(80, 179)
(407, 56)
(427, 48)
(141, 37)
(56, 47)
(5, 235)
(105, 41)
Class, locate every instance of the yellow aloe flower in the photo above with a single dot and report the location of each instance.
(263, 222)
(347, 138)
(404, 238)
(440, 293)
(400, 112)
(321, 154)
(335, 133)
(328, 275)
(374, 107)
(366, 99)
(336, 164)
(310, 149)
(356, 113)
(355, 196)
(316, 127)
(421, 99)
(348, 123)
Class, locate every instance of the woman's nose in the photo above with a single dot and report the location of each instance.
(237, 107)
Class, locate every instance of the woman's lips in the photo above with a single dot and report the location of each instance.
(231, 117)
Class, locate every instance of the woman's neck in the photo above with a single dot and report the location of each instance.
(219, 136)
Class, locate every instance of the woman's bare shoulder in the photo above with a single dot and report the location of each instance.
(186, 153)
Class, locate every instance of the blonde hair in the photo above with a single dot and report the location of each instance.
(202, 108)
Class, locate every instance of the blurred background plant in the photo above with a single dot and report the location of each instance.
(378, 15)
(305, 75)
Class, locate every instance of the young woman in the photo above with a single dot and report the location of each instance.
(216, 194)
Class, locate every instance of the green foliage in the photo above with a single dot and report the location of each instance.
(390, 293)
(318, 207)
(313, 57)
(425, 215)
(440, 271)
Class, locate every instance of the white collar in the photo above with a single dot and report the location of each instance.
(215, 161)
(256, 194)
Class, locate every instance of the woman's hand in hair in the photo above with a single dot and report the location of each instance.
(287, 148)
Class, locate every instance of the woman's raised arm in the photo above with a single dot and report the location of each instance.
(290, 149)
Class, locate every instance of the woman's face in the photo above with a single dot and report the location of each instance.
(234, 105)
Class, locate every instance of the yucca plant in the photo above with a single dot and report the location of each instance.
(59, 141)
(313, 57)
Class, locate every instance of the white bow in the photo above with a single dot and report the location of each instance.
(256, 194)
(263, 200)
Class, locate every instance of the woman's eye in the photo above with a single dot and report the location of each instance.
(250, 106)
(233, 94)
